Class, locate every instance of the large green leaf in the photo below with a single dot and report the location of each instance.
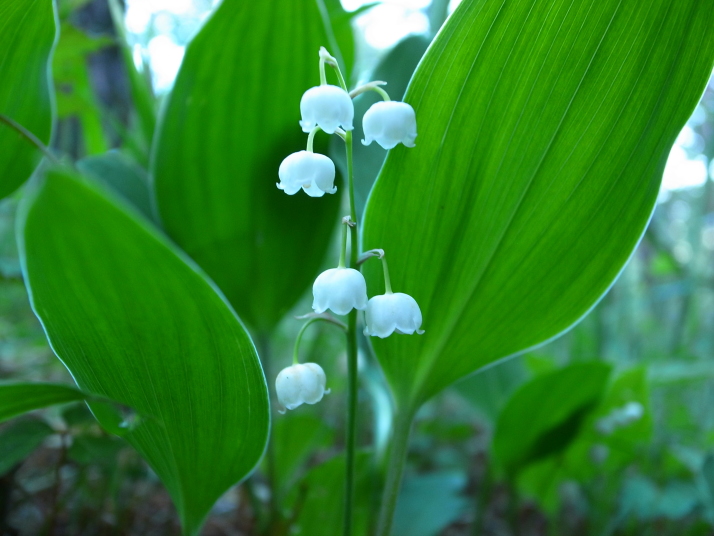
(230, 120)
(544, 128)
(27, 36)
(19, 398)
(135, 321)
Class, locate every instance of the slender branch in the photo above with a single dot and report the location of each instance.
(395, 468)
(29, 136)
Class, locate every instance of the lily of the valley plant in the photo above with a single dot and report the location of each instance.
(343, 290)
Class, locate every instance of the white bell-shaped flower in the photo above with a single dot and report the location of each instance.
(388, 313)
(327, 107)
(340, 290)
(313, 172)
(300, 384)
(389, 123)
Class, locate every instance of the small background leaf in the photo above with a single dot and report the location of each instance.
(545, 415)
(18, 440)
(429, 503)
(319, 498)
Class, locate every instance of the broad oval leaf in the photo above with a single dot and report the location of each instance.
(17, 398)
(544, 128)
(230, 120)
(135, 321)
(27, 37)
(545, 414)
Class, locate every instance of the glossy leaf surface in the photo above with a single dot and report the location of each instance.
(230, 121)
(135, 321)
(27, 36)
(544, 128)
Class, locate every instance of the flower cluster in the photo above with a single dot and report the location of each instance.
(329, 108)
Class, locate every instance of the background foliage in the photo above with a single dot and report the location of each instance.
(591, 465)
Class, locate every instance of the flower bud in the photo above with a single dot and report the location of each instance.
(339, 289)
(328, 107)
(300, 384)
(388, 313)
(389, 123)
(313, 172)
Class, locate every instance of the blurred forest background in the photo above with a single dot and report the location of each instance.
(626, 445)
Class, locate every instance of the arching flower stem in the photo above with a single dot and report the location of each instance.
(311, 319)
(327, 58)
(379, 253)
(311, 138)
(371, 86)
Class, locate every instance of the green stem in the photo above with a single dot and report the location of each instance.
(383, 93)
(343, 248)
(351, 439)
(311, 138)
(312, 320)
(326, 57)
(351, 187)
(323, 78)
(371, 86)
(298, 339)
(351, 435)
(29, 136)
(387, 282)
(395, 468)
